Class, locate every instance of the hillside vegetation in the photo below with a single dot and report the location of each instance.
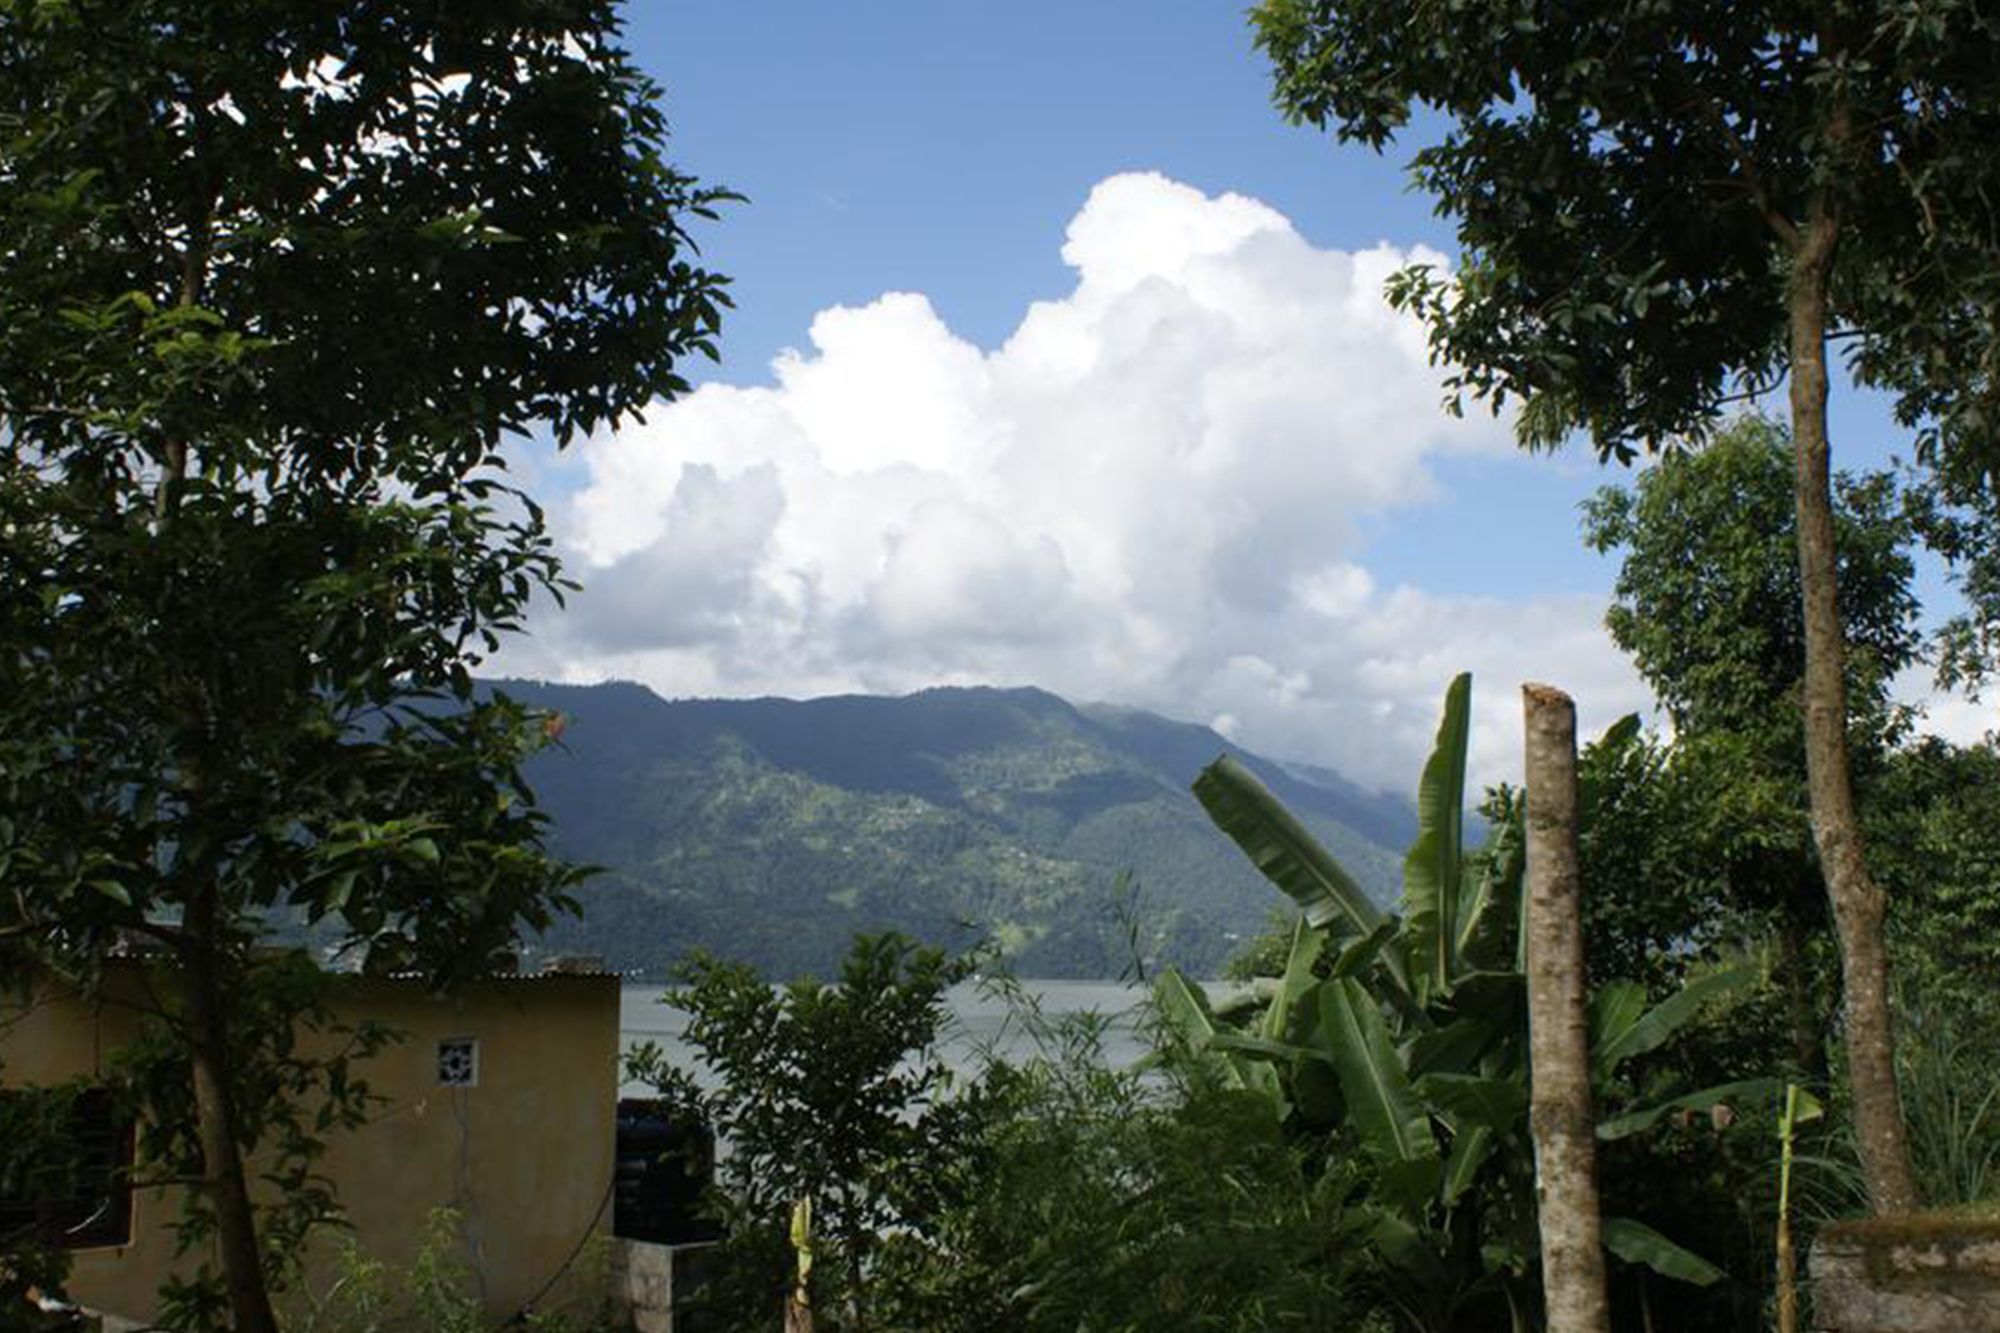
(772, 831)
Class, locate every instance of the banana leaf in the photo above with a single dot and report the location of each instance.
(1469, 1151)
(1393, 1124)
(1358, 956)
(1637, 1243)
(1632, 1122)
(1432, 870)
(1455, 1048)
(1467, 1099)
(1489, 902)
(1667, 1017)
(1282, 849)
(1307, 943)
(1184, 1010)
(1615, 1007)
(1268, 1048)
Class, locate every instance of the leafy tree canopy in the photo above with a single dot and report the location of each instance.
(1707, 597)
(278, 278)
(1663, 206)
(1626, 181)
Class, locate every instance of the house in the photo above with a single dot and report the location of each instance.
(499, 1102)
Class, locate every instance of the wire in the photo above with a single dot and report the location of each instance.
(520, 1316)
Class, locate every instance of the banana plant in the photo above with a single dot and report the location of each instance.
(1407, 1031)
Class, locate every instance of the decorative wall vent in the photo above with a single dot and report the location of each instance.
(458, 1062)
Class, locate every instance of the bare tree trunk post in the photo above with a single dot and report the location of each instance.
(1560, 1115)
(1857, 900)
(215, 1122)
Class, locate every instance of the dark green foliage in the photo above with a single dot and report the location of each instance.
(1401, 1039)
(38, 1167)
(773, 831)
(1104, 1204)
(830, 1092)
(1625, 182)
(1707, 597)
(1052, 1196)
(1708, 839)
(1663, 207)
(1935, 815)
(279, 278)
(1959, 518)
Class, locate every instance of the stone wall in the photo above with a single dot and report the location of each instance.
(1923, 1274)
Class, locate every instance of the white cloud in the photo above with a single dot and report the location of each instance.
(1148, 495)
(1952, 716)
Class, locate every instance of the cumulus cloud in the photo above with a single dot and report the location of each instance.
(1149, 495)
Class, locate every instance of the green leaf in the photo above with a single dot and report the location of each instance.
(1489, 902)
(1281, 848)
(113, 890)
(1455, 1048)
(1637, 1243)
(1249, 1043)
(1468, 1099)
(1670, 1015)
(1432, 870)
(1469, 1151)
(1404, 1246)
(1632, 1122)
(1355, 959)
(1393, 1124)
(338, 892)
(1800, 1105)
(1307, 943)
(1184, 1009)
(1615, 1007)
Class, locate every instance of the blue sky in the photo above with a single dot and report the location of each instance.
(947, 152)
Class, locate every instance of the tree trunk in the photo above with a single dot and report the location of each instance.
(1857, 901)
(1565, 1130)
(215, 1123)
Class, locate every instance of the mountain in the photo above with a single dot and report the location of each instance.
(772, 830)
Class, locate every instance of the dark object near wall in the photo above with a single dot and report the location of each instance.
(665, 1167)
(77, 1193)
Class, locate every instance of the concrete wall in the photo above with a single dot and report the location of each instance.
(1923, 1274)
(646, 1279)
(525, 1156)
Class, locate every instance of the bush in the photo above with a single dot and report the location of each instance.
(1052, 1194)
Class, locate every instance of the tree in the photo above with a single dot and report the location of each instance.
(1707, 596)
(1660, 207)
(1707, 603)
(1560, 1115)
(1939, 806)
(278, 278)
(836, 1094)
(1407, 1034)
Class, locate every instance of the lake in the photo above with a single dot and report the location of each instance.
(981, 1021)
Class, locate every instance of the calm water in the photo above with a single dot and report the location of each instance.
(982, 1021)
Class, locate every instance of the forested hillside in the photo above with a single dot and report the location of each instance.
(773, 830)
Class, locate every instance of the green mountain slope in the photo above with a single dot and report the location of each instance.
(772, 830)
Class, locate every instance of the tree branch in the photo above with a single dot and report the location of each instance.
(1760, 192)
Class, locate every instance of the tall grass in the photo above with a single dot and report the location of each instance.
(1951, 1105)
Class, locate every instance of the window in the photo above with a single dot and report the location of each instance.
(65, 1168)
(458, 1062)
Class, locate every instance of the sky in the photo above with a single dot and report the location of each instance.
(1059, 359)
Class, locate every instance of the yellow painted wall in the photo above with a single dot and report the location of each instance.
(526, 1156)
